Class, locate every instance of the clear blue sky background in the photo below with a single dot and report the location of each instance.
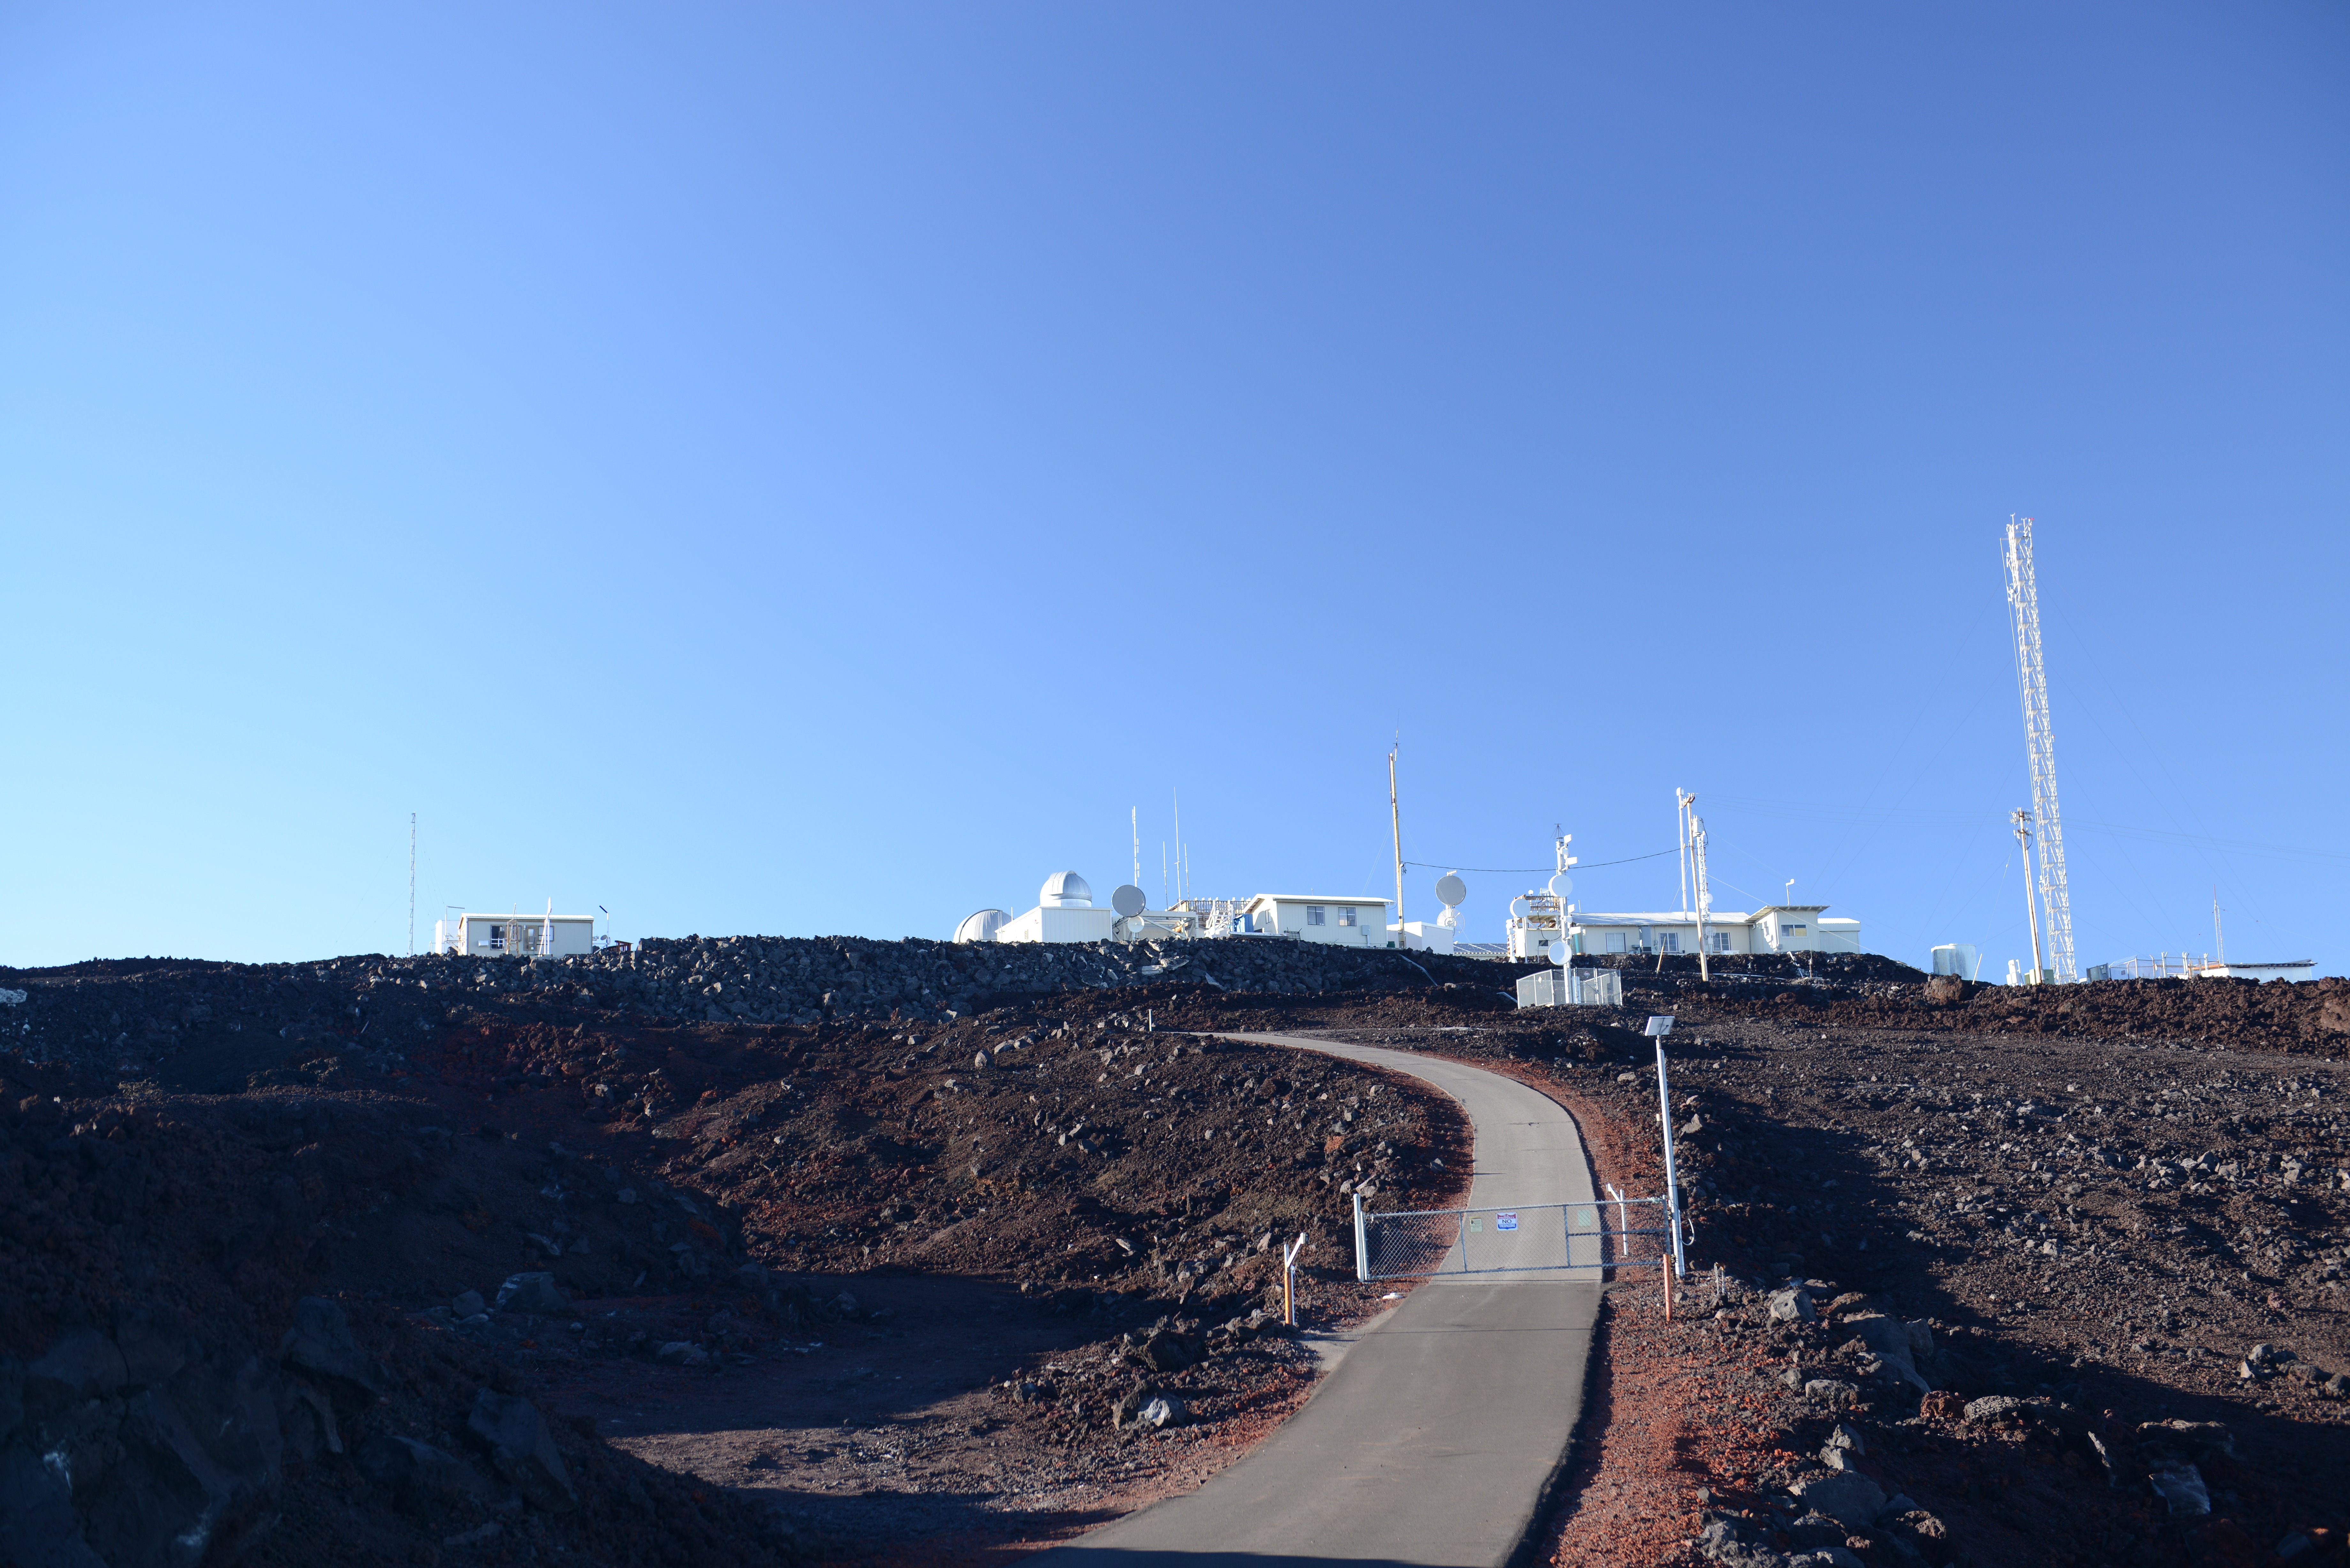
(806, 469)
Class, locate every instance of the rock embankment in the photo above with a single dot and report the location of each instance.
(132, 1016)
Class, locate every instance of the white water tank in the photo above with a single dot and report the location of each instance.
(1958, 959)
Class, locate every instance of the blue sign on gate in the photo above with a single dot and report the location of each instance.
(1505, 1222)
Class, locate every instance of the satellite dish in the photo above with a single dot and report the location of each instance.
(982, 927)
(1558, 954)
(1450, 889)
(1561, 886)
(1128, 901)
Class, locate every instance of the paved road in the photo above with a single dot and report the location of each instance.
(1436, 1440)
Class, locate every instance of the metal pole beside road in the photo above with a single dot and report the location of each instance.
(1659, 1025)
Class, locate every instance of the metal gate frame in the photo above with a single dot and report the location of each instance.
(1456, 1244)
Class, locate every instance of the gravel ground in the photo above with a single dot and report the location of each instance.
(2100, 1239)
(829, 1289)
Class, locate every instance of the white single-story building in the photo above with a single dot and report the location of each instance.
(1320, 917)
(1425, 935)
(1773, 929)
(516, 936)
(2291, 969)
(1065, 912)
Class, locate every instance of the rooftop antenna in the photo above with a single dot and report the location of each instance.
(1562, 947)
(2219, 937)
(2039, 745)
(1696, 848)
(412, 885)
(2031, 908)
(546, 932)
(1134, 821)
(1449, 892)
(1682, 799)
(1178, 797)
(1395, 817)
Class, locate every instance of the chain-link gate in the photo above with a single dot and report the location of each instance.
(1527, 1238)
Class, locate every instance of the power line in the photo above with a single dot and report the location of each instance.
(1537, 870)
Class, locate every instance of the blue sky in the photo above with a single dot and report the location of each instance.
(816, 468)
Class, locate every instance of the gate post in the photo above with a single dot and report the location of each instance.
(1362, 1245)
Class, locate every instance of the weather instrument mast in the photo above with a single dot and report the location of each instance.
(2040, 747)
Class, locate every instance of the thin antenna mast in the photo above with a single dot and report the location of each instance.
(1696, 849)
(1682, 799)
(1134, 820)
(2040, 746)
(412, 885)
(1178, 796)
(1395, 816)
(2030, 909)
(2219, 937)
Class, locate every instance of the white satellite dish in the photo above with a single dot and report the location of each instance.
(1128, 901)
(1558, 954)
(1561, 886)
(1450, 889)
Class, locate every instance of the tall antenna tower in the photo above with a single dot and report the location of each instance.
(2040, 746)
(1134, 821)
(411, 884)
(1395, 817)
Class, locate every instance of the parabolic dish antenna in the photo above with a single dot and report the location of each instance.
(1450, 889)
(1561, 886)
(1128, 901)
(1558, 953)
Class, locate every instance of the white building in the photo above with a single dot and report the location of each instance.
(516, 936)
(1773, 929)
(1065, 912)
(2291, 969)
(1320, 917)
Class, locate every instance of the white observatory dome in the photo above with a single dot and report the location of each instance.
(982, 927)
(1065, 891)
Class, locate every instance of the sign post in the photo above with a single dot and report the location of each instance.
(1659, 1025)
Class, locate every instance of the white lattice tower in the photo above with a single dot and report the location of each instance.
(2040, 746)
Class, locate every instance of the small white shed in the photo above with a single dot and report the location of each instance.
(516, 936)
(1321, 918)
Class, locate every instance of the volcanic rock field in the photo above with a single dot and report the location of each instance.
(796, 1250)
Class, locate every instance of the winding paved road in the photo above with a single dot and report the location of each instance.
(1437, 1439)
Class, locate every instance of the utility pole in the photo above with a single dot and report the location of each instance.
(1395, 817)
(2031, 907)
(412, 885)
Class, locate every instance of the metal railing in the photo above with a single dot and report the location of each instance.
(1530, 1238)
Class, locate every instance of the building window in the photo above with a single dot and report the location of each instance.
(1615, 941)
(1719, 941)
(1795, 930)
(1346, 916)
(1314, 913)
(1672, 941)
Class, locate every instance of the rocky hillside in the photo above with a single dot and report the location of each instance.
(204, 1026)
